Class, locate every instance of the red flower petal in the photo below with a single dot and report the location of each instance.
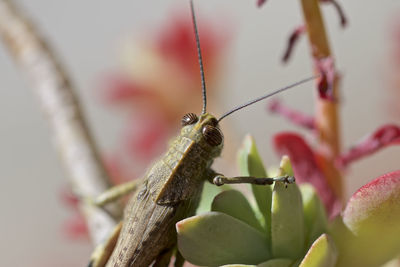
(114, 165)
(384, 136)
(146, 136)
(293, 39)
(69, 198)
(261, 2)
(294, 116)
(177, 43)
(118, 89)
(76, 228)
(306, 168)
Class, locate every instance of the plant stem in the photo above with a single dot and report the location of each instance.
(61, 107)
(326, 118)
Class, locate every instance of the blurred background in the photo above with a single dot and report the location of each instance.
(107, 48)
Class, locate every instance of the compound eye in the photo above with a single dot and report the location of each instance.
(189, 118)
(212, 135)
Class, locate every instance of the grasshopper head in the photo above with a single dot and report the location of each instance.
(203, 130)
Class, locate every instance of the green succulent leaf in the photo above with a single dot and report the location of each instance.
(207, 196)
(286, 166)
(250, 164)
(287, 219)
(214, 239)
(235, 204)
(315, 217)
(369, 234)
(270, 263)
(322, 253)
(276, 263)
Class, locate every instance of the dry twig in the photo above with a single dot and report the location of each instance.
(60, 104)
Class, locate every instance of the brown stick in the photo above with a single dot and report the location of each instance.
(60, 104)
(327, 120)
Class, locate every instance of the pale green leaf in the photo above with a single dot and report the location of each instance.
(238, 265)
(322, 253)
(287, 219)
(370, 232)
(314, 213)
(276, 263)
(214, 239)
(207, 196)
(286, 166)
(250, 164)
(235, 204)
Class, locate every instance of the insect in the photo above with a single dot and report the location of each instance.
(171, 189)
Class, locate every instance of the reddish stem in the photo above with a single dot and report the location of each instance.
(327, 120)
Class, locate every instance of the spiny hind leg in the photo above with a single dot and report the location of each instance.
(163, 258)
(102, 252)
(179, 260)
(219, 179)
(116, 192)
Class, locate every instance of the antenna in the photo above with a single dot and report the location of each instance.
(203, 81)
(266, 96)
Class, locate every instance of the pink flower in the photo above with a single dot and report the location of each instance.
(159, 83)
(75, 228)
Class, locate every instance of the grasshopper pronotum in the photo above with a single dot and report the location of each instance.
(171, 189)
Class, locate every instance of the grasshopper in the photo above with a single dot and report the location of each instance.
(170, 191)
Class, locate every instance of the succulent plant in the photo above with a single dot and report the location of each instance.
(288, 224)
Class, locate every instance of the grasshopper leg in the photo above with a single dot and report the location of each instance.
(102, 252)
(164, 258)
(221, 180)
(116, 192)
(179, 260)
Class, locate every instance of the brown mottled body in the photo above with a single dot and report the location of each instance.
(148, 232)
(170, 192)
